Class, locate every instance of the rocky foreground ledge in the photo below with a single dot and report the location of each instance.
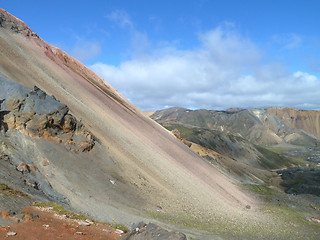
(43, 222)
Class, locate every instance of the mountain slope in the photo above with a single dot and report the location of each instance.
(234, 147)
(308, 121)
(149, 168)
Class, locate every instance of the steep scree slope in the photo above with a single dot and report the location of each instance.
(135, 167)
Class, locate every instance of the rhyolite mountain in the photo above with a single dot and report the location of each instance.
(69, 137)
(268, 127)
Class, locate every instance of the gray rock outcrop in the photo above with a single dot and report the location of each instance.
(33, 127)
(38, 115)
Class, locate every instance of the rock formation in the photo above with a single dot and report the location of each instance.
(38, 115)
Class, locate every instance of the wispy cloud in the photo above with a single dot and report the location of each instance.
(226, 70)
(139, 41)
(121, 18)
(288, 41)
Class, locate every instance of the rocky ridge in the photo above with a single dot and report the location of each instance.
(16, 25)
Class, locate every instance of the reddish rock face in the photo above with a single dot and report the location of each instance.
(309, 121)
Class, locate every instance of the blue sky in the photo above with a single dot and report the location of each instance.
(194, 54)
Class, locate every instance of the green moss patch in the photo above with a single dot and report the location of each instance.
(260, 189)
(58, 209)
(7, 191)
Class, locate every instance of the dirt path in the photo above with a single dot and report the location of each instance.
(46, 225)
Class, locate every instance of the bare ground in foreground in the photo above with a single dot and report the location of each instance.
(49, 225)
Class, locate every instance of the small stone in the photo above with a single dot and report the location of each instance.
(45, 162)
(316, 220)
(84, 223)
(106, 230)
(46, 226)
(89, 221)
(11, 233)
(23, 167)
(119, 231)
(112, 181)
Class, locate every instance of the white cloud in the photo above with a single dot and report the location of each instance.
(225, 71)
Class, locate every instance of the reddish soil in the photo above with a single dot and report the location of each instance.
(50, 226)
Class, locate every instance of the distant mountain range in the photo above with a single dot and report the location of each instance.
(268, 127)
(253, 143)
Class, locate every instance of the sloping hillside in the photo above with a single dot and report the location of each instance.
(234, 147)
(135, 167)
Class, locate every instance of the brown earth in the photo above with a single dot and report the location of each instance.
(47, 226)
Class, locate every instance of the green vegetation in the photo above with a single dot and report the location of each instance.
(7, 191)
(120, 226)
(277, 150)
(185, 220)
(271, 159)
(185, 131)
(60, 210)
(233, 229)
(260, 189)
(298, 160)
